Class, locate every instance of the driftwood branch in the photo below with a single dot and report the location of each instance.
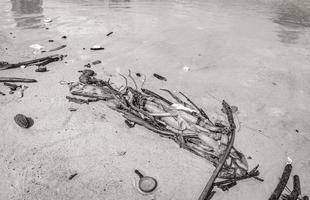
(14, 79)
(208, 188)
(50, 58)
(282, 183)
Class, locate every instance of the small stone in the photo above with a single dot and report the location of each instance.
(50, 40)
(41, 69)
(96, 62)
(297, 131)
(72, 109)
(96, 47)
(121, 153)
(64, 37)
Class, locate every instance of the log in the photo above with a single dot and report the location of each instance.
(29, 62)
(208, 188)
(14, 79)
(282, 183)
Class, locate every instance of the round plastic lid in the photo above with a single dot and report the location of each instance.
(147, 184)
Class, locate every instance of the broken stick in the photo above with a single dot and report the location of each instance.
(207, 191)
(14, 79)
(282, 183)
(29, 62)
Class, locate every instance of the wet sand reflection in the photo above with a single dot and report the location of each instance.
(27, 13)
(293, 20)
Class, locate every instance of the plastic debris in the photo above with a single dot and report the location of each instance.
(186, 68)
(96, 47)
(146, 184)
(36, 46)
(47, 20)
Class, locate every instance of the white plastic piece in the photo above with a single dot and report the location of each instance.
(47, 20)
(181, 107)
(97, 46)
(36, 46)
(289, 160)
(186, 68)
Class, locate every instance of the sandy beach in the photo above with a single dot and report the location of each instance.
(254, 55)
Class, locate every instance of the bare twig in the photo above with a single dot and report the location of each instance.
(133, 80)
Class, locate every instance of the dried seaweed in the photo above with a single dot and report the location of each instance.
(184, 123)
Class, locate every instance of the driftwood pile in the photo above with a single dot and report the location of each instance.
(181, 121)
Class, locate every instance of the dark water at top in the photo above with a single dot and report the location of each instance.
(27, 13)
(292, 17)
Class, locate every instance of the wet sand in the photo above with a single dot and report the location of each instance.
(253, 55)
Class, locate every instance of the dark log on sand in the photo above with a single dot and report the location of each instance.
(283, 181)
(30, 62)
(14, 79)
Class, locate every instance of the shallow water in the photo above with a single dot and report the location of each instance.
(254, 54)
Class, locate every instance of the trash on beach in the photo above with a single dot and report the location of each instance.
(186, 68)
(96, 47)
(96, 62)
(23, 121)
(64, 37)
(58, 48)
(23, 66)
(146, 184)
(14, 79)
(160, 77)
(41, 69)
(110, 33)
(47, 20)
(36, 46)
(50, 40)
(39, 62)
